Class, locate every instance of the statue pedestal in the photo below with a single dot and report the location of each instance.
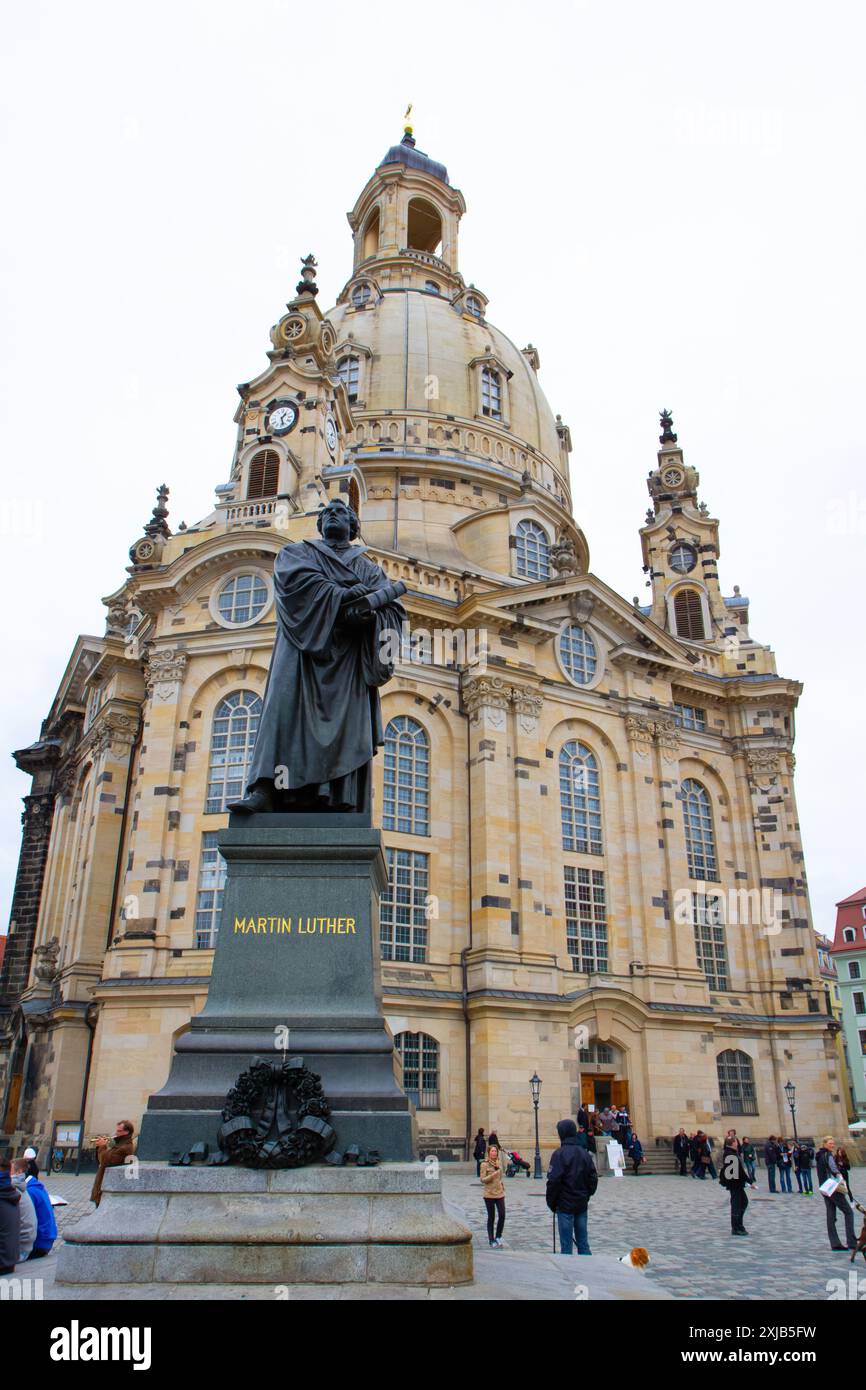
(296, 972)
(226, 1225)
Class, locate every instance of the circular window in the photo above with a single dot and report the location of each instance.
(578, 653)
(683, 558)
(361, 295)
(242, 599)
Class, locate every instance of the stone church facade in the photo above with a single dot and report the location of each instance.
(587, 803)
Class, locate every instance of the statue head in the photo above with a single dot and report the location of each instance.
(337, 521)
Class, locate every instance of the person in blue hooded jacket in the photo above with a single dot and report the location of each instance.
(571, 1181)
(46, 1226)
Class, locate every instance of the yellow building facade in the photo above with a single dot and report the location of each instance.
(587, 803)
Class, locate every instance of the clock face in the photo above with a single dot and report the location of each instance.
(282, 418)
(683, 558)
(331, 434)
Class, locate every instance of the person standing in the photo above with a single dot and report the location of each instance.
(785, 1165)
(494, 1194)
(583, 1118)
(636, 1154)
(681, 1151)
(703, 1159)
(827, 1168)
(804, 1160)
(711, 1167)
(734, 1176)
(571, 1182)
(479, 1151)
(749, 1157)
(10, 1220)
(113, 1154)
(771, 1160)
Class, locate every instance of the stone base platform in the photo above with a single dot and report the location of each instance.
(236, 1226)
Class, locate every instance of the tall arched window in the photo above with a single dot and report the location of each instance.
(533, 550)
(700, 836)
(736, 1083)
(349, 372)
(235, 725)
(423, 226)
(371, 235)
(406, 792)
(491, 393)
(580, 799)
(419, 1054)
(689, 615)
(264, 474)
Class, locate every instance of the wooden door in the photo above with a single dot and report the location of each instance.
(587, 1091)
(620, 1093)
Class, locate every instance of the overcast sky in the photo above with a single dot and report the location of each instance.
(667, 199)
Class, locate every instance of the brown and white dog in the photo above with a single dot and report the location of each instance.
(638, 1258)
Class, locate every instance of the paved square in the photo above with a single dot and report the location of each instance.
(685, 1225)
(683, 1222)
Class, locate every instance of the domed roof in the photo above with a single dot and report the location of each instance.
(406, 153)
(418, 338)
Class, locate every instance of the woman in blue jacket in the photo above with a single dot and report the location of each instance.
(46, 1226)
(636, 1153)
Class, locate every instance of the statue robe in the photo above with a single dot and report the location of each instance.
(321, 722)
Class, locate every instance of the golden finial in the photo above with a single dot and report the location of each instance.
(407, 127)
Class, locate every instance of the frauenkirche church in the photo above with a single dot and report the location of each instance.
(587, 804)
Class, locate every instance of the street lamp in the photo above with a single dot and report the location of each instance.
(535, 1088)
(791, 1097)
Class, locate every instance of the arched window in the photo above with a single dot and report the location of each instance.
(580, 799)
(849, 934)
(533, 549)
(406, 791)
(700, 836)
(578, 653)
(689, 615)
(371, 235)
(235, 725)
(355, 497)
(349, 372)
(473, 306)
(424, 226)
(432, 287)
(419, 1054)
(361, 294)
(491, 395)
(736, 1083)
(264, 475)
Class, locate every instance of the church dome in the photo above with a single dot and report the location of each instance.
(423, 354)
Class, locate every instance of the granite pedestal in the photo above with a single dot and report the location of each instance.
(315, 1225)
(296, 971)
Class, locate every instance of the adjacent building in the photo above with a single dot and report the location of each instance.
(849, 954)
(587, 800)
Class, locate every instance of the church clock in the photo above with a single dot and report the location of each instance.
(282, 417)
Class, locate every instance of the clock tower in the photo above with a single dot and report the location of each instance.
(292, 418)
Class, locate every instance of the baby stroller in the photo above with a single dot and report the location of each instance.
(516, 1165)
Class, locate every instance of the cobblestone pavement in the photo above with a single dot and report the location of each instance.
(685, 1225)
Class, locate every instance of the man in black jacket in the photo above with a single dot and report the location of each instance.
(571, 1181)
(681, 1151)
(735, 1177)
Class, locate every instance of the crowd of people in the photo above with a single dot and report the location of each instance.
(28, 1227)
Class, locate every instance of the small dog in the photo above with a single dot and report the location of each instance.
(638, 1258)
(860, 1247)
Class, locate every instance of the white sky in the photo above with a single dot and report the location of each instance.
(667, 199)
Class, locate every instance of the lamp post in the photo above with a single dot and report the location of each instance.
(535, 1088)
(791, 1097)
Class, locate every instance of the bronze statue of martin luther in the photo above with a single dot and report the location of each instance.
(321, 722)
